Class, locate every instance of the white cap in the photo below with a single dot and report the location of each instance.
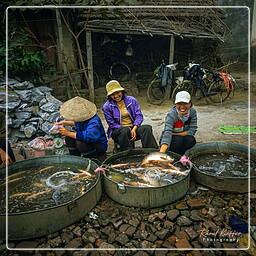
(182, 96)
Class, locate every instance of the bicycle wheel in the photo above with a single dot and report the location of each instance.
(156, 93)
(183, 87)
(120, 71)
(218, 92)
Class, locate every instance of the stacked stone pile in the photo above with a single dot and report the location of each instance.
(32, 110)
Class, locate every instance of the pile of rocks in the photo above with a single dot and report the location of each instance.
(32, 110)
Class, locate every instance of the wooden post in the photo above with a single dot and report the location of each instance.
(60, 51)
(171, 58)
(171, 55)
(253, 36)
(90, 65)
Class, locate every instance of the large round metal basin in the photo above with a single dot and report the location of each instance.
(223, 183)
(144, 197)
(38, 223)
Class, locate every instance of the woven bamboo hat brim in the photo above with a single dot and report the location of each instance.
(78, 109)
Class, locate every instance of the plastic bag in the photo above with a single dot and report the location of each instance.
(38, 143)
(238, 225)
(55, 129)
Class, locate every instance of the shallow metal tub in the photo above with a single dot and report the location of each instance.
(220, 183)
(42, 222)
(144, 197)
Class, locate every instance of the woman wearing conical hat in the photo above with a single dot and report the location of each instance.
(124, 118)
(89, 137)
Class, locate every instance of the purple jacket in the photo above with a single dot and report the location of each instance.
(113, 115)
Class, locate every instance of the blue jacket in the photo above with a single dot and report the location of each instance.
(113, 114)
(91, 130)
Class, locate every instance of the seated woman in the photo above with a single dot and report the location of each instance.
(89, 137)
(124, 118)
(8, 157)
(180, 126)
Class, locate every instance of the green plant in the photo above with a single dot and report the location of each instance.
(26, 56)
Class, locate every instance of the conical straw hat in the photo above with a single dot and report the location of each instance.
(78, 109)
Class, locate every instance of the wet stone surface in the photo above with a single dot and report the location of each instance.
(183, 224)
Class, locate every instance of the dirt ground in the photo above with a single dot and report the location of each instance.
(235, 111)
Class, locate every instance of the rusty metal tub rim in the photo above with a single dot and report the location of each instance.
(141, 187)
(56, 206)
(143, 197)
(222, 147)
(139, 150)
(51, 219)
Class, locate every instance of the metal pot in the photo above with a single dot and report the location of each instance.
(38, 223)
(145, 197)
(220, 183)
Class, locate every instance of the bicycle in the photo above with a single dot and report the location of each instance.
(120, 71)
(222, 86)
(192, 81)
(162, 84)
(204, 83)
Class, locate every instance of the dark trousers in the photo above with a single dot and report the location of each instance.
(122, 136)
(180, 144)
(3, 147)
(76, 147)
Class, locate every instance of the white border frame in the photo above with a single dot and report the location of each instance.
(128, 249)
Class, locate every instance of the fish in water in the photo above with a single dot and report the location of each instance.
(20, 194)
(177, 172)
(45, 169)
(153, 171)
(151, 177)
(159, 159)
(83, 175)
(14, 175)
(137, 183)
(38, 194)
(118, 177)
(85, 172)
(38, 184)
(10, 181)
(123, 165)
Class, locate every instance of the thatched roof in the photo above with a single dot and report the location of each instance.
(159, 18)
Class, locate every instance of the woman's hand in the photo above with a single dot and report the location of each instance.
(163, 148)
(67, 133)
(134, 133)
(70, 123)
(59, 123)
(5, 158)
(63, 131)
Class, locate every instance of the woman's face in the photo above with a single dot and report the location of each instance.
(183, 107)
(117, 96)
